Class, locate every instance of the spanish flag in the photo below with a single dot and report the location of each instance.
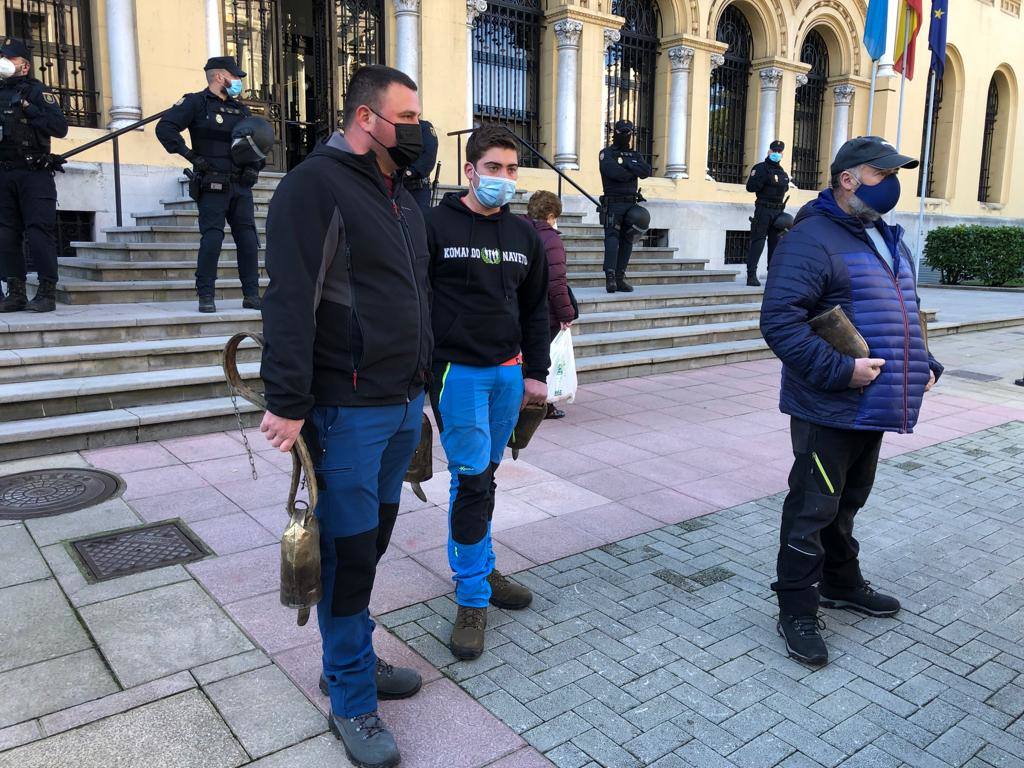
(909, 19)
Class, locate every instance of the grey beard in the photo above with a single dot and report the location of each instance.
(862, 210)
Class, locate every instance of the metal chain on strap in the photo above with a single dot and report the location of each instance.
(245, 438)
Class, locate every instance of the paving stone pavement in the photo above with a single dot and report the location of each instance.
(661, 649)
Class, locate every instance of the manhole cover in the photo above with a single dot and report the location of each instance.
(973, 376)
(54, 491)
(110, 555)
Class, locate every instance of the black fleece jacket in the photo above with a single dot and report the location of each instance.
(346, 319)
(489, 278)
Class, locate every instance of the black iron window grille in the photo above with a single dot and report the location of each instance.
(59, 33)
(929, 165)
(74, 227)
(988, 137)
(630, 66)
(810, 100)
(506, 69)
(360, 37)
(252, 37)
(728, 111)
(737, 243)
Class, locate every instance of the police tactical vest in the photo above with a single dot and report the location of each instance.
(18, 139)
(211, 133)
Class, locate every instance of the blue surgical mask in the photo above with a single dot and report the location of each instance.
(775, 156)
(882, 196)
(234, 89)
(494, 192)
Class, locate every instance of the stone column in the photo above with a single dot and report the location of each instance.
(841, 116)
(473, 10)
(611, 37)
(124, 64)
(214, 31)
(407, 37)
(680, 59)
(717, 60)
(771, 79)
(567, 33)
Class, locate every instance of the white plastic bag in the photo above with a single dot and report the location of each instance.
(562, 374)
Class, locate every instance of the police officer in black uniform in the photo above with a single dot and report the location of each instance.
(770, 182)
(620, 169)
(417, 175)
(30, 116)
(224, 189)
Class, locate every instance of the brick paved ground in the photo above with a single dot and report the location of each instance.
(661, 649)
(647, 644)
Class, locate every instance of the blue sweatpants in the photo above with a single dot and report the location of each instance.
(476, 409)
(361, 460)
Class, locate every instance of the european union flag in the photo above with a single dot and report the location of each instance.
(937, 36)
(874, 28)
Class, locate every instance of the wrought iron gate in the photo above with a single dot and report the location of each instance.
(928, 166)
(59, 33)
(729, 84)
(810, 99)
(991, 115)
(506, 69)
(630, 65)
(359, 32)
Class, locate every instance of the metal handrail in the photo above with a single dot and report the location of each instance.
(113, 137)
(536, 152)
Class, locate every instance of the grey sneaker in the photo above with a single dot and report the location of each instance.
(392, 682)
(367, 741)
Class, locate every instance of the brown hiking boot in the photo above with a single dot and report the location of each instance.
(468, 633)
(507, 594)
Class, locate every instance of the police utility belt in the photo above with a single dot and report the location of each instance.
(612, 199)
(771, 205)
(415, 184)
(25, 164)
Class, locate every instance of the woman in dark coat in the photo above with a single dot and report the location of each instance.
(543, 211)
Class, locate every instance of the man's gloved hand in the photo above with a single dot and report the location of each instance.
(199, 163)
(249, 176)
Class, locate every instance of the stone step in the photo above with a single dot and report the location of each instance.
(675, 276)
(616, 342)
(668, 317)
(148, 252)
(81, 360)
(29, 438)
(73, 290)
(83, 394)
(71, 326)
(665, 296)
(648, 362)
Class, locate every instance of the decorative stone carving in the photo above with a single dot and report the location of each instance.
(473, 10)
(567, 32)
(771, 78)
(844, 94)
(611, 37)
(801, 80)
(717, 60)
(680, 57)
(407, 6)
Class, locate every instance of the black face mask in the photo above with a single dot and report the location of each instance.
(408, 142)
(621, 140)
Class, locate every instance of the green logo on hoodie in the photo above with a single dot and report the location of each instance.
(489, 256)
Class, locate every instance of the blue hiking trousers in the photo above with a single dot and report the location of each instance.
(476, 409)
(361, 459)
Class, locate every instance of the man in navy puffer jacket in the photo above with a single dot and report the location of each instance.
(841, 253)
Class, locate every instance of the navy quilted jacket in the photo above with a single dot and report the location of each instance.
(826, 260)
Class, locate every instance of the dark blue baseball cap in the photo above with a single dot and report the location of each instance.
(870, 150)
(13, 48)
(225, 62)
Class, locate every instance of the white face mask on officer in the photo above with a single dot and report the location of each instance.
(7, 69)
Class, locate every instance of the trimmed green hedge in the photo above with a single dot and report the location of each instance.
(992, 255)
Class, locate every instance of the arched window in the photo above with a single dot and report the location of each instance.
(630, 65)
(988, 141)
(729, 83)
(59, 33)
(928, 166)
(506, 68)
(810, 99)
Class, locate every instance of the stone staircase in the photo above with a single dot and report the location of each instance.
(127, 358)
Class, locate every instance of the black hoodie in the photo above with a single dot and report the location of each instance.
(489, 277)
(346, 318)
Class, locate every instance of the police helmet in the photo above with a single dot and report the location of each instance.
(251, 141)
(635, 223)
(783, 222)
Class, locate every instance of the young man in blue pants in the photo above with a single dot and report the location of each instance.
(488, 272)
(346, 321)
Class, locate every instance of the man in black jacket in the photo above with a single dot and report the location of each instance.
(347, 328)
(770, 182)
(489, 276)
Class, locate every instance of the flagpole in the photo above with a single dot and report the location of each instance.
(918, 253)
(871, 96)
(903, 80)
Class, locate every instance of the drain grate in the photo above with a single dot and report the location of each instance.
(973, 375)
(47, 492)
(111, 555)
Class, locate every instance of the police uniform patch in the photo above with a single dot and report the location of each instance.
(432, 131)
(49, 98)
(601, 156)
(619, 159)
(753, 171)
(775, 178)
(179, 102)
(219, 118)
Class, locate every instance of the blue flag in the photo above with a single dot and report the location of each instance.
(937, 36)
(875, 26)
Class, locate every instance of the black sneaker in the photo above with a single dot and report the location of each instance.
(392, 682)
(803, 638)
(367, 741)
(863, 599)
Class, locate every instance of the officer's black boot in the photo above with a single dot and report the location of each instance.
(45, 299)
(16, 299)
(752, 280)
(621, 284)
(207, 305)
(610, 284)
